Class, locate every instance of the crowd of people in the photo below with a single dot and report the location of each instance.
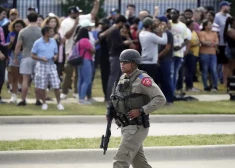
(171, 46)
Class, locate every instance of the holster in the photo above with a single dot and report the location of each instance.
(123, 120)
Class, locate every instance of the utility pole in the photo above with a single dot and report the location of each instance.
(38, 5)
(198, 3)
(120, 5)
(14, 5)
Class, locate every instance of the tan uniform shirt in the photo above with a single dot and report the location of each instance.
(144, 84)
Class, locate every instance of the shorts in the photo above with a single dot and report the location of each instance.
(27, 66)
(11, 60)
(45, 73)
(221, 56)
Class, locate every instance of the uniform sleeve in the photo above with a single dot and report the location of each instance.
(157, 98)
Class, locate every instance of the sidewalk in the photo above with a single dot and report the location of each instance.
(217, 97)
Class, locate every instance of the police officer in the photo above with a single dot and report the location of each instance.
(134, 97)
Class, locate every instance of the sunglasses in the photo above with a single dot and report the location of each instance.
(126, 62)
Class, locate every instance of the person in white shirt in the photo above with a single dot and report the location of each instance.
(180, 34)
(67, 31)
(149, 43)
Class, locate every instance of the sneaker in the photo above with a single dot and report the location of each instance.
(38, 103)
(63, 96)
(13, 98)
(1, 102)
(44, 107)
(91, 100)
(60, 107)
(84, 102)
(193, 90)
(75, 95)
(10, 91)
(215, 89)
(207, 89)
(22, 103)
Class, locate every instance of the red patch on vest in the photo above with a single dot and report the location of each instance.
(146, 82)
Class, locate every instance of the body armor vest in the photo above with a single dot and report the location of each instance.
(123, 98)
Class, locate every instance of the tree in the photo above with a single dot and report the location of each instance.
(85, 5)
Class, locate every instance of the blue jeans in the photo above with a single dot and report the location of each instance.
(165, 79)
(89, 90)
(190, 62)
(175, 67)
(85, 78)
(209, 62)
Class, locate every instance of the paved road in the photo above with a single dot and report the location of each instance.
(167, 164)
(57, 131)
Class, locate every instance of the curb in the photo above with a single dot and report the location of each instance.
(85, 155)
(101, 119)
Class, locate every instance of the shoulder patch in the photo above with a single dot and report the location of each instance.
(146, 81)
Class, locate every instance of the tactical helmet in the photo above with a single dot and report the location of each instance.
(130, 55)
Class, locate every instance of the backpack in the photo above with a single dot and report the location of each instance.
(74, 57)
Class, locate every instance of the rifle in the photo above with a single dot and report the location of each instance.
(105, 139)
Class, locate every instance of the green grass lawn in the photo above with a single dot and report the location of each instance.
(222, 107)
(84, 143)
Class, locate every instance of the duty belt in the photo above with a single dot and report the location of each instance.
(124, 121)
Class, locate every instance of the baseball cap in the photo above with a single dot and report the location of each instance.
(163, 19)
(224, 3)
(33, 8)
(86, 23)
(14, 11)
(147, 21)
(74, 9)
(114, 11)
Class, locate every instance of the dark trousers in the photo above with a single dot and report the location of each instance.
(2, 74)
(115, 73)
(165, 79)
(190, 66)
(180, 81)
(97, 58)
(105, 71)
(151, 70)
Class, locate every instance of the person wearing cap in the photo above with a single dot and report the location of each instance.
(149, 43)
(220, 19)
(67, 31)
(32, 9)
(114, 14)
(134, 98)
